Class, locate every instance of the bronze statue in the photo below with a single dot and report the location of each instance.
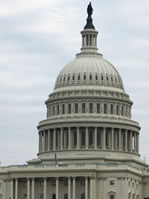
(89, 10)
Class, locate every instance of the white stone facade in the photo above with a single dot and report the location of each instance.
(88, 144)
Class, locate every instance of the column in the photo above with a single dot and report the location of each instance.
(112, 139)
(78, 138)
(33, 188)
(91, 188)
(103, 138)
(74, 188)
(45, 188)
(120, 139)
(69, 138)
(54, 139)
(137, 143)
(57, 188)
(61, 132)
(95, 138)
(49, 140)
(130, 140)
(69, 188)
(86, 138)
(126, 135)
(28, 188)
(12, 190)
(40, 142)
(16, 188)
(86, 188)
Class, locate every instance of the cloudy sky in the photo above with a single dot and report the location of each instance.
(38, 38)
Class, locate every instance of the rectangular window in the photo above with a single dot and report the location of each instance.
(63, 109)
(111, 108)
(112, 197)
(57, 109)
(83, 108)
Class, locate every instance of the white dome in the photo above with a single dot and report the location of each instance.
(90, 70)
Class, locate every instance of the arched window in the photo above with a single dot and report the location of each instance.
(91, 108)
(84, 77)
(105, 108)
(53, 110)
(76, 108)
(57, 109)
(63, 109)
(83, 108)
(54, 196)
(117, 109)
(82, 195)
(90, 77)
(98, 108)
(65, 196)
(69, 108)
(111, 111)
(122, 110)
(73, 78)
(79, 77)
(96, 77)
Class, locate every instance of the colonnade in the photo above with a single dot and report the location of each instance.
(73, 191)
(77, 138)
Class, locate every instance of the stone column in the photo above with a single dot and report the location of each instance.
(86, 138)
(69, 138)
(61, 132)
(69, 188)
(137, 142)
(86, 188)
(40, 142)
(112, 138)
(33, 188)
(54, 139)
(120, 139)
(45, 188)
(74, 188)
(28, 188)
(95, 138)
(103, 139)
(16, 188)
(126, 137)
(11, 189)
(57, 188)
(92, 188)
(49, 140)
(78, 138)
(130, 138)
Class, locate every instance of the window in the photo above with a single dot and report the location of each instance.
(111, 108)
(96, 77)
(76, 108)
(105, 108)
(65, 196)
(73, 78)
(117, 110)
(91, 108)
(83, 108)
(107, 78)
(79, 77)
(63, 109)
(57, 109)
(122, 110)
(68, 78)
(69, 108)
(54, 196)
(111, 196)
(112, 182)
(84, 77)
(90, 77)
(98, 108)
(83, 137)
(25, 196)
(53, 110)
(82, 195)
(41, 196)
(101, 77)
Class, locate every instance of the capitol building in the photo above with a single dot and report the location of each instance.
(89, 143)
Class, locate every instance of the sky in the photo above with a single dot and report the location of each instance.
(38, 38)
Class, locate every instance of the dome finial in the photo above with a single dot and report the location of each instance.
(90, 10)
(89, 24)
